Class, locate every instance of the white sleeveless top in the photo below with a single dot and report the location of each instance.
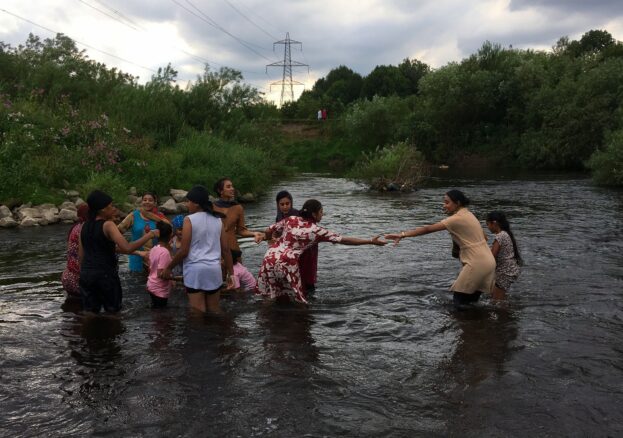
(202, 265)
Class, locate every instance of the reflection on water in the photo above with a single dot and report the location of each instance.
(378, 352)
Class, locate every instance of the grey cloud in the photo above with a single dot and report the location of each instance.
(600, 8)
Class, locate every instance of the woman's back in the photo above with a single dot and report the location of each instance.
(98, 250)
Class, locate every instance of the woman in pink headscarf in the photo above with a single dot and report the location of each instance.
(71, 274)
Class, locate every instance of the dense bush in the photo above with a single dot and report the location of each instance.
(400, 163)
(607, 164)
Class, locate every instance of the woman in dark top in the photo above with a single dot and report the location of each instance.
(99, 277)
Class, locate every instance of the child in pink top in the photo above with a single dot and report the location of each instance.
(159, 258)
(243, 279)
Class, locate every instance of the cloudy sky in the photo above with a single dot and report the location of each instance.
(138, 36)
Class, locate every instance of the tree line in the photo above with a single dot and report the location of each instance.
(67, 121)
(560, 109)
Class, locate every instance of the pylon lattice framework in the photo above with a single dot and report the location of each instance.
(286, 82)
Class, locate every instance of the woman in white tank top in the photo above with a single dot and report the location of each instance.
(203, 244)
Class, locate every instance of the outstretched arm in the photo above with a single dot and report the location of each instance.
(426, 229)
(355, 241)
(112, 233)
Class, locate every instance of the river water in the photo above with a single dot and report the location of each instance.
(378, 352)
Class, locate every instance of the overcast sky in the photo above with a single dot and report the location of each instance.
(361, 34)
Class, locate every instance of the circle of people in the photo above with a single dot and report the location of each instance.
(201, 250)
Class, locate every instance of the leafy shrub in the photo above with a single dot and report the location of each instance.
(607, 164)
(377, 122)
(399, 163)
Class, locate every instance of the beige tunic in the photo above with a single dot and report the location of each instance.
(478, 273)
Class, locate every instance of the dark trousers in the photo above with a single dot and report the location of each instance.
(460, 299)
(100, 289)
(158, 302)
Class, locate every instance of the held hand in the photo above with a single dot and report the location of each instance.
(258, 236)
(397, 237)
(376, 241)
(165, 274)
(230, 282)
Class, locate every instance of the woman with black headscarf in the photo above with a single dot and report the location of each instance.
(204, 242)
(99, 277)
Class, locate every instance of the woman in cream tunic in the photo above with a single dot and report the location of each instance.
(478, 273)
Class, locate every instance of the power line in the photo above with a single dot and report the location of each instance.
(214, 24)
(120, 14)
(261, 18)
(104, 52)
(81, 43)
(138, 28)
(107, 14)
(249, 20)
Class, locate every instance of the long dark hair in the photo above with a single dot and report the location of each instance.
(152, 194)
(283, 194)
(311, 206)
(218, 186)
(458, 197)
(199, 195)
(500, 218)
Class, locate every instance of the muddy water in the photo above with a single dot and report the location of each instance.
(378, 352)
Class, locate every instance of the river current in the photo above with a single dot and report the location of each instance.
(379, 351)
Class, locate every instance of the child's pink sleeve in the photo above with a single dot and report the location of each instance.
(247, 280)
(164, 259)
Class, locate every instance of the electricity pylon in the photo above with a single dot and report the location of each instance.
(287, 64)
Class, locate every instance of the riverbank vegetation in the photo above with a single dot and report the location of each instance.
(69, 122)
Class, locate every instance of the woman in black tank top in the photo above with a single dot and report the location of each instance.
(100, 239)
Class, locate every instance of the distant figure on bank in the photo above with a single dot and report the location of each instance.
(319, 115)
(99, 276)
(159, 258)
(324, 114)
(141, 221)
(506, 253)
(204, 242)
(233, 212)
(71, 275)
(280, 276)
(308, 262)
(478, 272)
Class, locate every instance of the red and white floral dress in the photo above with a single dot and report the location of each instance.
(280, 274)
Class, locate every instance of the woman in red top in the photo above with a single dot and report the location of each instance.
(280, 274)
(71, 275)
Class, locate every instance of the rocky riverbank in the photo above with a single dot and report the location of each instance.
(27, 215)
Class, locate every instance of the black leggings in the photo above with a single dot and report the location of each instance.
(158, 302)
(461, 299)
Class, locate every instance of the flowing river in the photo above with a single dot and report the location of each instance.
(378, 352)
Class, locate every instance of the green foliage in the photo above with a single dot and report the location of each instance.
(67, 122)
(376, 122)
(398, 163)
(109, 182)
(607, 164)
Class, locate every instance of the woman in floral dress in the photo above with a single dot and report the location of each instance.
(71, 275)
(506, 254)
(280, 275)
